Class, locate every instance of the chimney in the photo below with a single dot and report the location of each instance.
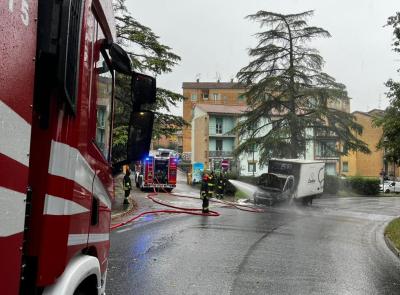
(197, 80)
(232, 80)
(218, 81)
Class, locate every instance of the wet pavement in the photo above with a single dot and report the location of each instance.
(335, 246)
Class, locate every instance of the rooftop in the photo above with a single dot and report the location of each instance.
(371, 113)
(212, 85)
(222, 109)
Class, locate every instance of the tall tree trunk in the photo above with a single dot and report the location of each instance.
(292, 103)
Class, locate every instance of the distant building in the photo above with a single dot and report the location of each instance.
(171, 142)
(212, 138)
(360, 164)
(214, 108)
(207, 93)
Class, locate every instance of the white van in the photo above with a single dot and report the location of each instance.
(290, 179)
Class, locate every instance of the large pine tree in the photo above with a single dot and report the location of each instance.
(149, 56)
(286, 84)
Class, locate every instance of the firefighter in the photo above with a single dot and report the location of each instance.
(204, 191)
(211, 185)
(220, 186)
(127, 185)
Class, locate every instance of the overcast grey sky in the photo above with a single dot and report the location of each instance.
(212, 38)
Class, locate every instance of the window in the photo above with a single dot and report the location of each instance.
(218, 125)
(345, 167)
(194, 96)
(218, 145)
(251, 148)
(216, 96)
(104, 93)
(205, 95)
(326, 148)
(251, 167)
(70, 50)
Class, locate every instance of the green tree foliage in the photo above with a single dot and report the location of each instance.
(150, 56)
(286, 84)
(390, 121)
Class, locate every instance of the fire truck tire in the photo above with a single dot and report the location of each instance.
(87, 287)
(81, 274)
(168, 190)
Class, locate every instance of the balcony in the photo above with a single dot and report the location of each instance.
(220, 154)
(324, 133)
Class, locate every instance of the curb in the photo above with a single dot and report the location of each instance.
(125, 212)
(392, 247)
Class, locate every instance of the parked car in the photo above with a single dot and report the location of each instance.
(390, 187)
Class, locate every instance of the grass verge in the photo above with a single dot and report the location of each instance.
(392, 231)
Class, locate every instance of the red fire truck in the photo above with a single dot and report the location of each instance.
(158, 170)
(57, 78)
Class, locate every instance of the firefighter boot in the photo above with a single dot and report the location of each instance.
(205, 205)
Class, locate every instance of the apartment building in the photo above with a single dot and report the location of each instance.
(360, 164)
(207, 93)
(210, 106)
(212, 138)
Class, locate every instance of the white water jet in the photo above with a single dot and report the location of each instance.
(246, 188)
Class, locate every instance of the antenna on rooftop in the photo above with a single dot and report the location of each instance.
(197, 77)
(217, 76)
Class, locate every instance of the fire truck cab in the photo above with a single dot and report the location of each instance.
(57, 83)
(158, 170)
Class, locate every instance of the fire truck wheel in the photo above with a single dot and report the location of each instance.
(168, 190)
(87, 287)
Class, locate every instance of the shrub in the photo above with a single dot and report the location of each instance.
(364, 185)
(230, 190)
(331, 184)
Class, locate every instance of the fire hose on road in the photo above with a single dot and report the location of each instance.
(183, 210)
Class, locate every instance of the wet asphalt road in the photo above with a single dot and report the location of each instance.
(334, 247)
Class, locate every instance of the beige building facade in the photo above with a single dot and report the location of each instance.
(370, 165)
(209, 93)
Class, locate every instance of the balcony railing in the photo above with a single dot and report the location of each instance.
(220, 154)
(326, 155)
(325, 133)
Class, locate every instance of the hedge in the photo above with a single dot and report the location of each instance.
(331, 184)
(363, 185)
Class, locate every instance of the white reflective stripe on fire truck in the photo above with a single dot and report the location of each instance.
(79, 239)
(15, 135)
(12, 212)
(58, 206)
(67, 162)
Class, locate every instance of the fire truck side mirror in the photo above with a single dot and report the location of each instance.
(143, 89)
(139, 135)
(120, 60)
